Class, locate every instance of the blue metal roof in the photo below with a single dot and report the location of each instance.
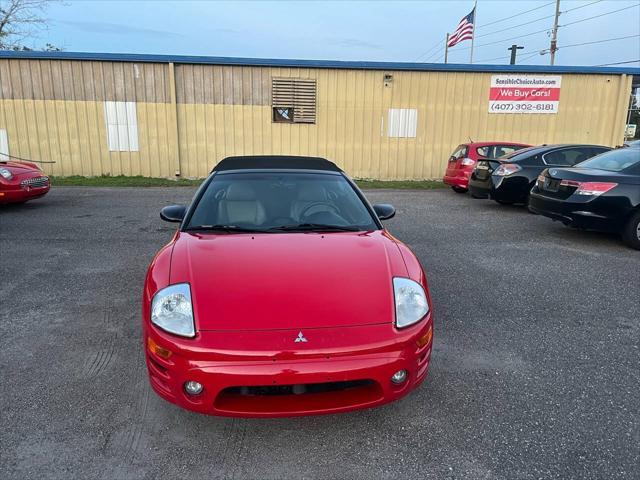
(271, 62)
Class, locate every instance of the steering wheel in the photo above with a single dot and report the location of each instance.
(330, 206)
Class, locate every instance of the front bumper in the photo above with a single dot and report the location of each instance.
(14, 192)
(262, 383)
(588, 214)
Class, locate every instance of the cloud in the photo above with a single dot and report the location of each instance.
(116, 29)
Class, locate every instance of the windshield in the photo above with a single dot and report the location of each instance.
(613, 160)
(277, 201)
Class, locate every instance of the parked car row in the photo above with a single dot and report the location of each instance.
(465, 157)
(584, 186)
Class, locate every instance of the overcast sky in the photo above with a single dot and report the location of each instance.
(365, 30)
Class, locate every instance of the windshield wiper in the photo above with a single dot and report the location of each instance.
(317, 227)
(224, 228)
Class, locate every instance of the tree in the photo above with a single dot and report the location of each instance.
(19, 21)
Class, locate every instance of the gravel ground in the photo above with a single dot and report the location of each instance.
(534, 373)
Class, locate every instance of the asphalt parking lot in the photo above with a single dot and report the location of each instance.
(535, 372)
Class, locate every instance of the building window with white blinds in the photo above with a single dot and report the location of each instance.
(122, 126)
(293, 100)
(402, 122)
(4, 146)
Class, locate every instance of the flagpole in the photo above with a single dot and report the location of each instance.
(446, 48)
(475, 22)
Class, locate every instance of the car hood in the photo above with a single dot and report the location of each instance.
(290, 280)
(18, 168)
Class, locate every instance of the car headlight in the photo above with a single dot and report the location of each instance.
(6, 173)
(171, 310)
(411, 302)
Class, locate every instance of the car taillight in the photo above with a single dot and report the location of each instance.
(507, 169)
(467, 162)
(594, 188)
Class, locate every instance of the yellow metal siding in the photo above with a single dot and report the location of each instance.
(83, 80)
(53, 110)
(73, 134)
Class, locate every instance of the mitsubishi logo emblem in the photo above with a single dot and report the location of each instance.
(300, 338)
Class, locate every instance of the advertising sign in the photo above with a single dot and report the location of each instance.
(524, 93)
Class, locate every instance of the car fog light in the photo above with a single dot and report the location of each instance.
(193, 388)
(399, 377)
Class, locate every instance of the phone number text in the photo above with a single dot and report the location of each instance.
(523, 107)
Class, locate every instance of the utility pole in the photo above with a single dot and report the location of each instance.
(446, 48)
(514, 48)
(554, 34)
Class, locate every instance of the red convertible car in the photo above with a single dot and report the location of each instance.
(21, 181)
(282, 294)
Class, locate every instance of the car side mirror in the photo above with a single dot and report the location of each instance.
(173, 213)
(384, 211)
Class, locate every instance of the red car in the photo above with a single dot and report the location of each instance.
(463, 160)
(21, 181)
(282, 294)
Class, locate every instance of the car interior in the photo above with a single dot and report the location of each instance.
(272, 200)
(567, 157)
(495, 151)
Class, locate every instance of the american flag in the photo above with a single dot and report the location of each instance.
(464, 30)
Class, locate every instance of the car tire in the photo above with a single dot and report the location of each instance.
(631, 232)
(460, 189)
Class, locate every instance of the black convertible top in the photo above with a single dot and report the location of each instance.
(258, 162)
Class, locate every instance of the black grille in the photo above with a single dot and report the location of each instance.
(298, 389)
(35, 182)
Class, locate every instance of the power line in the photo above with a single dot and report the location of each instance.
(542, 51)
(492, 59)
(516, 26)
(546, 29)
(601, 15)
(516, 15)
(598, 41)
(581, 6)
(435, 54)
(520, 58)
(428, 51)
(526, 57)
(617, 63)
(505, 39)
